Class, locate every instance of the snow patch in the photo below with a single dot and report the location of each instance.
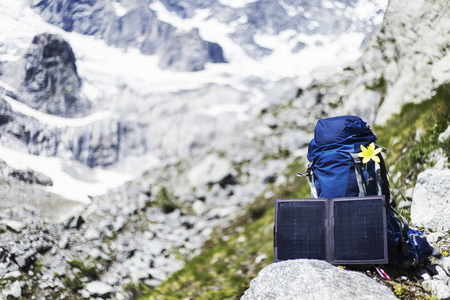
(236, 3)
(328, 4)
(55, 121)
(441, 70)
(120, 10)
(71, 179)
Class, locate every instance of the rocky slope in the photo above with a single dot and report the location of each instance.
(414, 144)
(245, 246)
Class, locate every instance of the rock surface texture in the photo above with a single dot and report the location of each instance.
(51, 82)
(312, 279)
(431, 200)
(396, 68)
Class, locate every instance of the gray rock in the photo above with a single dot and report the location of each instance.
(438, 288)
(299, 46)
(434, 237)
(14, 226)
(189, 52)
(97, 144)
(127, 29)
(186, 9)
(13, 274)
(99, 289)
(444, 135)
(6, 115)
(87, 17)
(26, 260)
(157, 274)
(64, 242)
(212, 169)
(30, 176)
(403, 204)
(14, 290)
(92, 234)
(431, 200)
(423, 274)
(313, 279)
(199, 207)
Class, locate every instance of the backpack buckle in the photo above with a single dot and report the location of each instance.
(304, 174)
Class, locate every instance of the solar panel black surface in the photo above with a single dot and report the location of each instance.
(339, 230)
(301, 230)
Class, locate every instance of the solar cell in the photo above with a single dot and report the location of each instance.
(339, 230)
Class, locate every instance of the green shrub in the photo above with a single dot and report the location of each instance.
(166, 200)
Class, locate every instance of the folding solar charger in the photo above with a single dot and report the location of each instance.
(339, 230)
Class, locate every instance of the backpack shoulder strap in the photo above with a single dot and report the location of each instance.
(384, 183)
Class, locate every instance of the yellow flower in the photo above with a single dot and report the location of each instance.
(369, 153)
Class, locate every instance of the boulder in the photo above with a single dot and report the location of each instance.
(431, 200)
(14, 226)
(213, 169)
(13, 290)
(438, 288)
(313, 279)
(99, 289)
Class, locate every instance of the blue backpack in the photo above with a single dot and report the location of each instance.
(336, 170)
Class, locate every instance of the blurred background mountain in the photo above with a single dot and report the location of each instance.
(138, 134)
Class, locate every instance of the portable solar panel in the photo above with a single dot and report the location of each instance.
(338, 230)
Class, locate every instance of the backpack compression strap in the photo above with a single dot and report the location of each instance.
(310, 175)
(359, 175)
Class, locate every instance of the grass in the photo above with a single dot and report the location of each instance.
(85, 270)
(166, 200)
(411, 138)
(379, 85)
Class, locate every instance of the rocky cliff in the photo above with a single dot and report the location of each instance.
(405, 62)
(61, 122)
(51, 74)
(46, 78)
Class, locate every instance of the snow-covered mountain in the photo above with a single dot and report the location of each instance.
(125, 74)
(185, 35)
